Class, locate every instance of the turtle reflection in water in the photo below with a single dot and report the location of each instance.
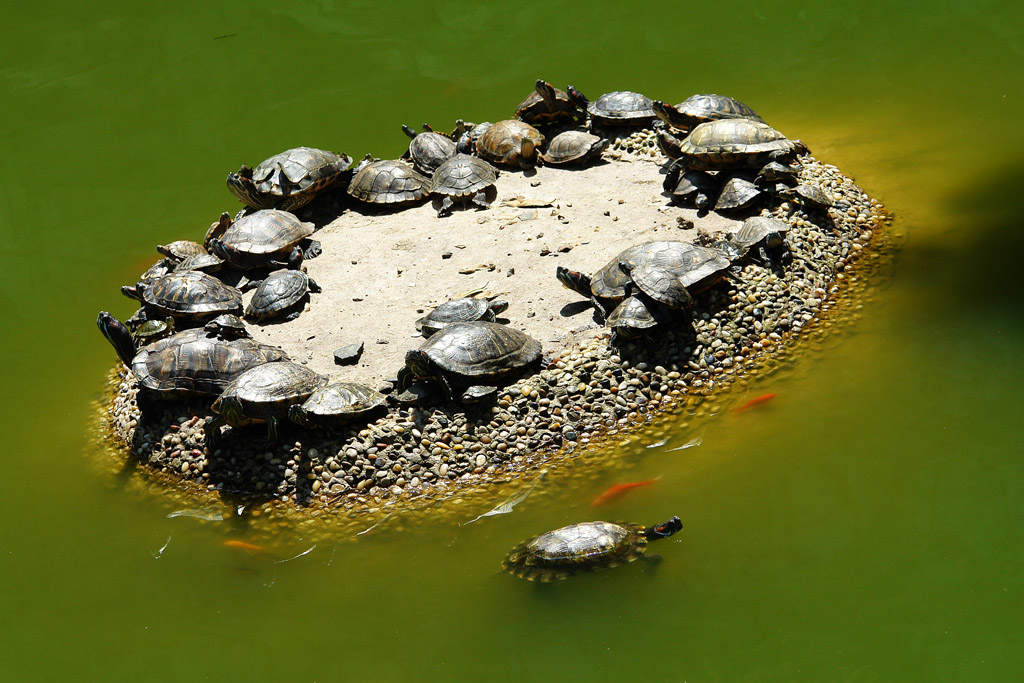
(584, 547)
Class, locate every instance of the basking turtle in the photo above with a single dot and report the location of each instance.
(698, 109)
(696, 267)
(619, 108)
(758, 233)
(180, 250)
(605, 288)
(335, 404)
(463, 178)
(583, 547)
(808, 196)
(692, 188)
(150, 331)
(191, 295)
(632, 318)
(287, 180)
(662, 284)
(573, 147)
(428, 150)
(510, 143)
(471, 132)
(548, 105)
(738, 194)
(227, 326)
(388, 181)
(263, 393)
(735, 143)
(207, 263)
(464, 310)
(157, 270)
(475, 354)
(667, 142)
(262, 238)
(189, 363)
(281, 295)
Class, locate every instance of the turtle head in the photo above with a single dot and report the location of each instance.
(545, 90)
(230, 409)
(663, 530)
(498, 306)
(218, 227)
(134, 291)
(118, 335)
(241, 185)
(577, 97)
(574, 280)
(297, 415)
(419, 364)
(409, 131)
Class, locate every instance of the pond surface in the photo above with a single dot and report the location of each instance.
(866, 524)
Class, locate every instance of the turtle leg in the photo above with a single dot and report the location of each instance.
(272, 435)
(445, 209)
(212, 429)
(484, 197)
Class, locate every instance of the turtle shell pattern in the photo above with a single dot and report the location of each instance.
(464, 310)
(573, 145)
(281, 290)
(502, 142)
(290, 179)
(191, 294)
(481, 349)
(587, 546)
(429, 150)
(621, 107)
(193, 363)
(268, 390)
(610, 282)
(760, 228)
(539, 110)
(463, 175)
(737, 194)
(338, 402)
(733, 143)
(389, 181)
(633, 314)
(696, 267)
(698, 109)
(264, 235)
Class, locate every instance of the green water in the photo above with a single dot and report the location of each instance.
(864, 525)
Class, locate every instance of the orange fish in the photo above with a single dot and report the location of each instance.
(242, 545)
(764, 398)
(619, 490)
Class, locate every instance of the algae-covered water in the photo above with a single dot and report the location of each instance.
(866, 524)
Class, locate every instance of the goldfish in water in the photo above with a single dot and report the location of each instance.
(618, 490)
(242, 545)
(763, 398)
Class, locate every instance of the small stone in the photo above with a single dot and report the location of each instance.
(348, 355)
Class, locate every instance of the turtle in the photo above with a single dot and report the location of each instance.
(808, 196)
(760, 233)
(150, 331)
(777, 176)
(192, 295)
(180, 250)
(281, 295)
(661, 283)
(605, 288)
(463, 310)
(263, 393)
(738, 194)
(263, 238)
(388, 181)
(632, 318)
(696, 267)
(735, 143)
(548, 105)
(463, 177)
(619, 108)
(510, 143)
(157, 270)
(207, 263)
(475, 353)
(466, 139)
(226, 326)
(428, 150)
(584, 547)
(573, 147)
(335, 404)
(288, 180)
(694, 188)
(188, 363)
(698, 109)
(666, 141)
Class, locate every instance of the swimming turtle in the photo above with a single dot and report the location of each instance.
(287, 180)
(547, 105)
(428, 150)
(584, 547)
(262, 238)
(191, 295)
(735, 143)
(698, 109)
(388, 181)
(476, 354)
(335, 404)
(281, 295)
(263, 393)
(573, 147)
(463, 310)
(738, 194)
(510, 143)
(619, 108)
(632, 318)
(188, 363)
(463, 178)
(226, 326)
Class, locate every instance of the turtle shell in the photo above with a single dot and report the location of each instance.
(547, 105)
(267, 390)
(428, 150)
(573, 146)
(481, 349)
(661, 284)
(587, 546)
(280, 291)
(631, 316)
(261, 238)
(227, 326)
(734, 143)
(696, 267)
(192, 363)
(389, 181)
(207, 263)
(464, 310)
(809, 195)
(698, 109)
(693, 187)
(738, 194)
(463, 175)
(181, 249)
(336, 403)
(192, 294)
(622, 107)
(287, 180)
(758, 229)
(502, 143)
